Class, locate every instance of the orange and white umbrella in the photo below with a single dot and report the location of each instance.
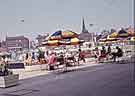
(75, 41)
(113, 35)
(68, 34)
(123, 34)
(71, 41)
(51, 43)
(58, 35)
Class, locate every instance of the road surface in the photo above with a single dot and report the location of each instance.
(104, 80)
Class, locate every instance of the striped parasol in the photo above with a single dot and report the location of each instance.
(62, 38)
(123, 34)
(62, 35)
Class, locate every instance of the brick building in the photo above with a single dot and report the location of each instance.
(17, 43)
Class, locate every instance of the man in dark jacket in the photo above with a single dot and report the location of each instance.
(118, 54)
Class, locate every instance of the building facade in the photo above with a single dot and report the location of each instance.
(3, 46)
(17, 43)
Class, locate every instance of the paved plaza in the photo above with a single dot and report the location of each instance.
(101, 80)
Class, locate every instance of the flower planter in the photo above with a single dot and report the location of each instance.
(8, 81)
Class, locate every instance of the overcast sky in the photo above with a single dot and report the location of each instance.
(47, 16)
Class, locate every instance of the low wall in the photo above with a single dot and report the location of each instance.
(10, 80)
(31, 68)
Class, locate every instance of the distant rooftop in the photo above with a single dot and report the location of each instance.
(16, 37)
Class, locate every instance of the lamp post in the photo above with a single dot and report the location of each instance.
(93, 37)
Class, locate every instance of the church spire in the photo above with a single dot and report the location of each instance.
(83, 26)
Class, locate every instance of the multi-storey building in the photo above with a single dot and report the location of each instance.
(17, 43)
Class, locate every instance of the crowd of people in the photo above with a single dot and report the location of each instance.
(51, 57)
(105, 54)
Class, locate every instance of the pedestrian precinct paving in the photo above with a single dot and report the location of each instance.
(25, 73)
(38, 70)
(105, 79)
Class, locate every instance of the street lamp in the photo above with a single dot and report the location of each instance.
(93, 39)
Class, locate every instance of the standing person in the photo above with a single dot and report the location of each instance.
(29, 59)
(109, 50)
(6, 59)
(81, 56)
(26, 58)
(27, 55)
(97, 53)
(13, 55)
(3, 67)
(33, 55)
(21, 57)
(51, 61)
(118, 54)
(46, 54)
(103, 53)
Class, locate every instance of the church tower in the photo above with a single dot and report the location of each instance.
(84, 30)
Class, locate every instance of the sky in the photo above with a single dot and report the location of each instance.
(48, 16)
